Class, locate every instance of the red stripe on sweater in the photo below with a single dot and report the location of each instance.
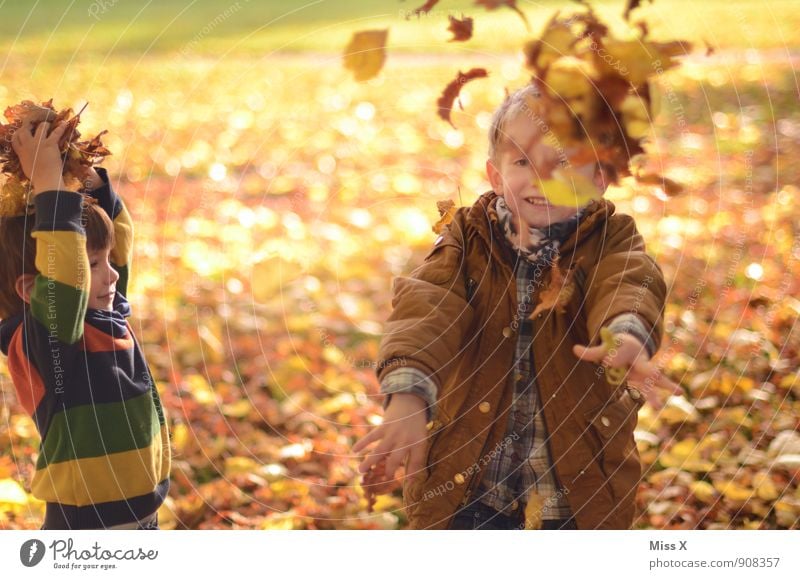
(27, 381)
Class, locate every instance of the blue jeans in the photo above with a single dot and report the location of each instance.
(478, 516)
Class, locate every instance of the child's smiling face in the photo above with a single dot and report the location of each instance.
(525, 156)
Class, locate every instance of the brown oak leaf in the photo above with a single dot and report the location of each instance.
(452, 90)
(558, 292)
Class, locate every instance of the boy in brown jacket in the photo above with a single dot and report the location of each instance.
(501, 416)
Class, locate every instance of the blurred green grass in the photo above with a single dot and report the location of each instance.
(54, 29)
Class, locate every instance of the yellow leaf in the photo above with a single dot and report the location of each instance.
(533, 511)
(179, 437)
(240, 465)
(703, 491)
(386, 503)
(733, 491)
(685, 455)
(201, 390)
(637, 59)
(678, 410)
(281, 522)
(12, 496)
(366, 53)
(13, 198)
(166, 515)
(556, 41)
(571, 77)
(568, 188)
(765, 488)
(635, 116)
(238, 409)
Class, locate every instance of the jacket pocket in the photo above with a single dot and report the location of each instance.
(611, 426)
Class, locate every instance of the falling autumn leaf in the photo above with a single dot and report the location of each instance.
(452, 90)
(559, 290)
(425, 8)
(568, 188)
(447, 210)
(495, 4)
(461, 29)
(630, 6)
(366, 53)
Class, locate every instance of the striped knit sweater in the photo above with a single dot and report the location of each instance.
(104, 458)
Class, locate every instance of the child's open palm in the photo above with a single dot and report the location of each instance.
(629, 356)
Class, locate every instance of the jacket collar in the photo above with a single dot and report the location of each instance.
(482, 219)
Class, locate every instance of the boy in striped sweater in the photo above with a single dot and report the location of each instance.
(104, 458)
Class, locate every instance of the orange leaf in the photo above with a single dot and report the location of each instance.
(558, 292)
(366, 53)
(447, 210)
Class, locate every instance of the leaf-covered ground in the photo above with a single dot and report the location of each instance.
(275, 199)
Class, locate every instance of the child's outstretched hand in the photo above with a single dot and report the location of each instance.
(624, 356)
(39, 155)
(401, 442)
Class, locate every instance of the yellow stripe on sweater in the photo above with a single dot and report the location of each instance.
(103, 479)
(123, 238)
(61, 255)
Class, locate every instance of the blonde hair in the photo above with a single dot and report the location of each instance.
(528, 100)
(521, 100)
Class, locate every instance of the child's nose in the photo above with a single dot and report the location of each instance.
(113, 275)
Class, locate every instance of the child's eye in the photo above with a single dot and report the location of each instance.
(521, 162)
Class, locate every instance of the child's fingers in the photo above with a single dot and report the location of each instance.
(57, 132)
(41, 132)
(23, 133)
(594, 354)
(377, 455)
(371, 437)
(394, 461)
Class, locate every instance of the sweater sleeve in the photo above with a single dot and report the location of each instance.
(122, 252)
(61, 287)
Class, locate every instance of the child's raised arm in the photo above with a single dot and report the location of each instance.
(58, 293)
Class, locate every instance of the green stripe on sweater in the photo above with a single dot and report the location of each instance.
(100, 429)
(60, 308)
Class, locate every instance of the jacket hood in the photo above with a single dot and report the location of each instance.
(481, 219)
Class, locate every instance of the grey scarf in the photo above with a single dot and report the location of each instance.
(544, 242)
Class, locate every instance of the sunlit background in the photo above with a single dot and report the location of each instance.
(275, 198)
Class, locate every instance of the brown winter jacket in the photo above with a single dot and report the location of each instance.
(454, 319)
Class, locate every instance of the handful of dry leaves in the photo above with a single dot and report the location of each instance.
(78, 155)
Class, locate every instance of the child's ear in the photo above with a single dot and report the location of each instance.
(24, 286)
(493, 173)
